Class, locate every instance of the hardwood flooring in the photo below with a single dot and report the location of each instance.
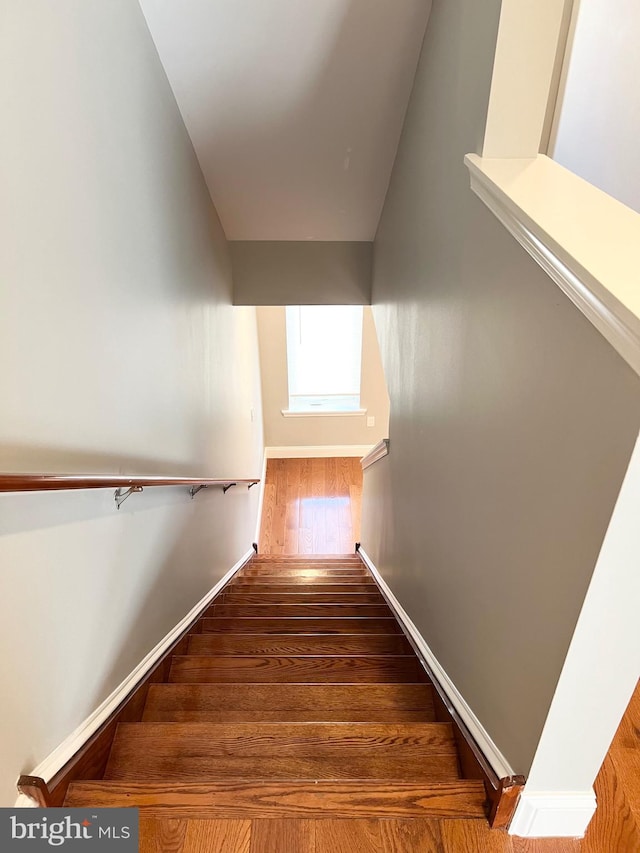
(311, 506)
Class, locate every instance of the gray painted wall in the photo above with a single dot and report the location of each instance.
(274, 272)
(120, 352)
(512, 419)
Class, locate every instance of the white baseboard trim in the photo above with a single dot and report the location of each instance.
(309, 451)
(63, 753)
(24, 802)
(555, 814)
(263, 477)
(489, 749)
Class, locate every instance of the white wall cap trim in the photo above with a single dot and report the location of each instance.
(309, 451)
(378, 451)
(586, 241)
(491, 752)
(68, 748)
(263, 478)
(553, 814)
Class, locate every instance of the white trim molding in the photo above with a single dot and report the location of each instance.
(291, 413)
(496, 759)
(63, 753)
(529, 48)
(586, 241)
(263, 478)
(309, 451)
(378, 451)
(543, 814)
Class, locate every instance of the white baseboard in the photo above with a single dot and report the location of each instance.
(263, 477)
(555, 814)
(63, 753)
(24, 802)
(309, 451)
(489, 749)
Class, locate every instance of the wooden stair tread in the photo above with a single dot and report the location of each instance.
(163, 751)
(289, 715)
(332, 559)
(306, 597)
(302, 580)
(334, 576)
(184, 701)
(296, 625)
(283, 588)
(303, 669)
(284, 799)
(298, 644)
(284, 611)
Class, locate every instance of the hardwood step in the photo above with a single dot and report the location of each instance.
(287, 799)
(192, 751)
(295, 559)
(286, 611)
(348, 669)
(301, 580)
(202, 702)
(298, 625)
(298, 644)
(306, 597)
(247, 589)
(303, 573)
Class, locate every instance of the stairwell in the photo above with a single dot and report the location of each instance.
(297, 696)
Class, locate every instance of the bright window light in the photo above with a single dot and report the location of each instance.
(324, 357)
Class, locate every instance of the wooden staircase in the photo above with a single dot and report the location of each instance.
(297, 695)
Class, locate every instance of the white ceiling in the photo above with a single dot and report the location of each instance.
(294, 107)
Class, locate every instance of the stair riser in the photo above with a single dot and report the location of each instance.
(285, 611)
(169, 699)
(330, 644)
(335, 598)
(299, 625)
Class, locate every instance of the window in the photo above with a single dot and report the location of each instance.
(324, 355)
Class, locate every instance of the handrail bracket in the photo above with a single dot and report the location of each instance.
(193, 491)
(120, 495)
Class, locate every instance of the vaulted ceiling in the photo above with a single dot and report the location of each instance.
(294, 107)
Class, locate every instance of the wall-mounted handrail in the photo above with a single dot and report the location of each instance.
(60, 482)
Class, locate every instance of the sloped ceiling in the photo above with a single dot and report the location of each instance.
(294, 107)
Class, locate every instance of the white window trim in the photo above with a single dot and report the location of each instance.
(288, 413)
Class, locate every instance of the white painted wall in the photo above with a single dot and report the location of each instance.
(318, 431)
(597, 123)
(119, 352)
